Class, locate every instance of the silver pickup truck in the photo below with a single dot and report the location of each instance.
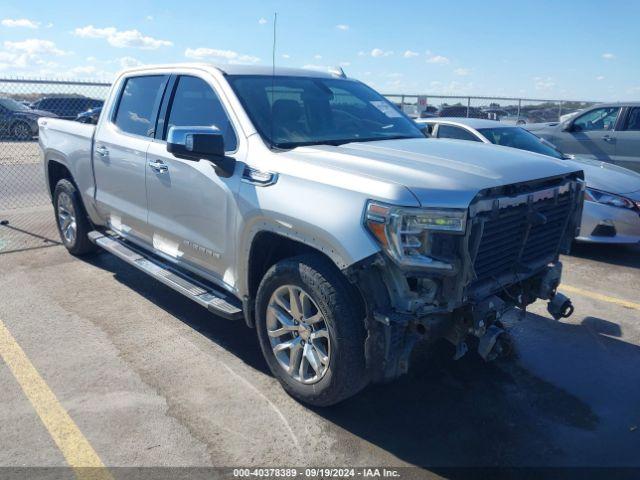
(311, 207)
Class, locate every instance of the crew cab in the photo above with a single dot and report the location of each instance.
(314, 209)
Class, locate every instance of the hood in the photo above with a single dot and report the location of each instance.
(440, 173)
(35, 113)
(607, 176)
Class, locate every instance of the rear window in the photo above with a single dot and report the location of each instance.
(449, 131)
(139, 103)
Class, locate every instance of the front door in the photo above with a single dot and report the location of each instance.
(592, 135)
(190, 205)
(120, 153)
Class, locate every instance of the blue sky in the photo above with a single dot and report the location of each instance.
(542, 49)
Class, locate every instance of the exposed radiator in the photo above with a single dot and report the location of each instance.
(521, 236)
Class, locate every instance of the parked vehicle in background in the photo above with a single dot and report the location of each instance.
(607, 132)
(66, 107)
(17, 121)
(461, 111)
(495, 113)
(611, 211)
(312, 207)
(514, 119)
(429, 111)
(90, 116)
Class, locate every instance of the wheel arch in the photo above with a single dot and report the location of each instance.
(266, 248)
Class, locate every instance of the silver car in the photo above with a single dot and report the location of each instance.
(609, 132)
(612, 199)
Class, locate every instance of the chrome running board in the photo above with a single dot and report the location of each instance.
(217, 302)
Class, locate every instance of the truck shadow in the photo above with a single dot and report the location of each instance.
(622, 255)
(569, 397)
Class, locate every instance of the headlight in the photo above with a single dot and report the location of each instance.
(608, 199)
(407, 234)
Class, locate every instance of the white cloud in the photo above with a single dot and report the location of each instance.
(377, 52)
(608, 56)
(463, 72)
(362, 53)
(452, 88)
(149, 18)
(342, 27)
(439, 59)
(600, 77)
(29, 54)
(286, 55)
(262, 21)
(543, 83)
(34, 46)
(410, 54)
(122, 38)
(317, 56)
(129, 62)
(19, 22)
(230, 56)
(83, 70)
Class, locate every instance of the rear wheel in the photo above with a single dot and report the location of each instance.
(311, 330)
(71, 219)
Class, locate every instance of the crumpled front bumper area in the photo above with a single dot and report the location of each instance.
(392, 335)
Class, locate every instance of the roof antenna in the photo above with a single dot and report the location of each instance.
(273, 73)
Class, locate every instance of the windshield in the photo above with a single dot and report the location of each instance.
(312, 111)
(11, 104)
(519, 138)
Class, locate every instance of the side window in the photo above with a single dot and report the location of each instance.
(449, 131)
(633, 119)
(139, 101)
(195, 104)
(598, 119)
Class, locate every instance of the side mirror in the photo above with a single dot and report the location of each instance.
(567, 127)
(200, 143)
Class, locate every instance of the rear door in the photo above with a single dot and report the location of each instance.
(592, 135)
(120, 152)
(628, 140)
(190, 206)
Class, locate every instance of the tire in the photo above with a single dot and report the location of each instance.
(340, 335)
(71, 219)
(21, 131)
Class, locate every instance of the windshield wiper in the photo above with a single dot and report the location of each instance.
(338, 142)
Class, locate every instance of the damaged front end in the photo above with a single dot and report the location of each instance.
(455, 273)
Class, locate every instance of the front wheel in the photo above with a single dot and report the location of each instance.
(71, 219)
(311, 330)
(21, 131)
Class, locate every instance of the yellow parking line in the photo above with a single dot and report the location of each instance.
(599, 296)
(65, 433)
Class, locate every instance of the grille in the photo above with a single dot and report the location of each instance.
(521, 236)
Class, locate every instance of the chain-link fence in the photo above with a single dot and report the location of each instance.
(514, 111)
(26, 214)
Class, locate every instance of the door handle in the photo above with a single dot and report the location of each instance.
(102, 150)
(159, 166)
(608, 138)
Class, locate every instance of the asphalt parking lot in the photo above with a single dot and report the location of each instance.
(151, 379)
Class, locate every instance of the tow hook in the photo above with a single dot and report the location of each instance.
(560, 306)
(489, 346)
